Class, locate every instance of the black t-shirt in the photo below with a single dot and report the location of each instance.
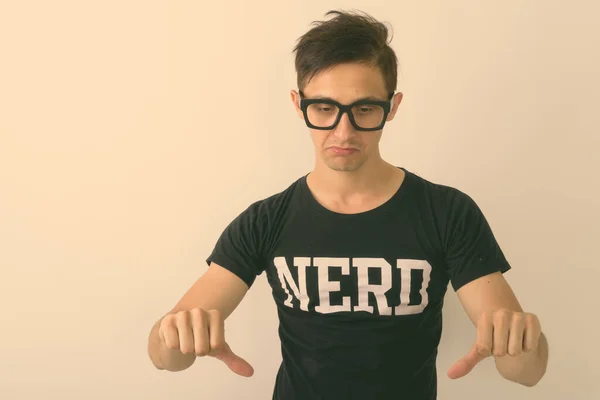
(359, 296)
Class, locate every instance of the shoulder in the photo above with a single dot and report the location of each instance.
(267, 208)
(437, 195)
(452, 211)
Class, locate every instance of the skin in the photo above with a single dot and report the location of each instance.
(357, 181)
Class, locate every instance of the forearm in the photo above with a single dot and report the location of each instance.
(164, 358)
(528, 368)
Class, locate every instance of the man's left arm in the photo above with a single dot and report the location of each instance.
(513, 337)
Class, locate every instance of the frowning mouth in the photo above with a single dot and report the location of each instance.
(343, 151)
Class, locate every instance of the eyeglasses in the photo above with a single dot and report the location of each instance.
(364, 115)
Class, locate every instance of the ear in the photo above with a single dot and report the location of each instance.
(295, 96)
(396, 100)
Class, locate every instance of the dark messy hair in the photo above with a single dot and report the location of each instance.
(348, 37)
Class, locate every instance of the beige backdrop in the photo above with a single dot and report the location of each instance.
(132, 132)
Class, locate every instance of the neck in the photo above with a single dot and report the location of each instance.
(369, 179)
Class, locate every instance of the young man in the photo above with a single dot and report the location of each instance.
(359, 253)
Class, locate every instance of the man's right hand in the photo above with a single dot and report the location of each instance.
(201, 332)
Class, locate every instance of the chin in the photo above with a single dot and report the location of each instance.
(344, 165)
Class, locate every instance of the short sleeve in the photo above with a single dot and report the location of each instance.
(238, 249)
(471, 250)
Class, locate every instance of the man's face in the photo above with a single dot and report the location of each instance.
(345, 148)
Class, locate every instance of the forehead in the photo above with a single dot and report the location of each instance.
(347, 82)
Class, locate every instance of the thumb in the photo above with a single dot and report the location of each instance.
(466, 364)
(235, 362)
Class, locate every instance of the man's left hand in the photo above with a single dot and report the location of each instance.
(500, 333)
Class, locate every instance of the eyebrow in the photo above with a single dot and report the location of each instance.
(367, 98)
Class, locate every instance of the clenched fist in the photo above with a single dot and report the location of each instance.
(201, 332)
(500, 333)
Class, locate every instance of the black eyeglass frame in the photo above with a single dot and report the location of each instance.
(345, 108)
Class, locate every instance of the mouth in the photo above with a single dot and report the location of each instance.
(342, 150)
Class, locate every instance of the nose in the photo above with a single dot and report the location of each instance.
(344, 129)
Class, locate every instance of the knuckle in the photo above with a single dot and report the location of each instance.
(483, 349)
(217, 346)
(500, 352)
(519, 316)
(170, 345)
(186, 348)
(485, 319)
(514, 352)
(167, 320)
(202, 350)
(517, 323)
(180, 317)
(531, 320)
(196, 312)
(199, 321)
(196, 316)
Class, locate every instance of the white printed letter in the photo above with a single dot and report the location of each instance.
(326, 286)
(406, 266)
(285, 275)
(364, 287)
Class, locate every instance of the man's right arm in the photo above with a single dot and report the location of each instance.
(194, 327)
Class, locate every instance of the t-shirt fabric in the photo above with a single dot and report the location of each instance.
(359, 296)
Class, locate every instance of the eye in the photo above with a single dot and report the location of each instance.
(324, 108)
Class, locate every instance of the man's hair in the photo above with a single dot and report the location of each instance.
(346, 38)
